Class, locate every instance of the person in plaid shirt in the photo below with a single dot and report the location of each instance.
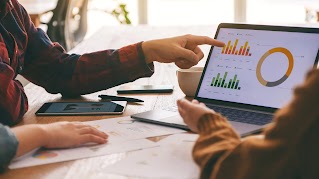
(28, 51)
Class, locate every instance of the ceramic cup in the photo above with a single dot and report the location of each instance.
(188, 79)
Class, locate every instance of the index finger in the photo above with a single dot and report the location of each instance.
(200, 40)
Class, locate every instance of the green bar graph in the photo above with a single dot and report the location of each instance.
(236, 86)
(229, 84)
(216, 82)
(213, 81)
(225, 75)
(234, 81)
(221, 82)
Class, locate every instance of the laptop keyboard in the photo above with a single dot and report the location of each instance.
(243, 116)
(237, 115)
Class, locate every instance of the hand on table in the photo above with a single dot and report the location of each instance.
(181, 50)
(66, 134)
(56, 135)
(191, 112)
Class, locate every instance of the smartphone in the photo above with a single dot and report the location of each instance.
(81, 108)
(130, 89)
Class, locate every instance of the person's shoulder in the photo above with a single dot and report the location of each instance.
(313, 71)
(16, 5)
(18, 9)
(13, 2)
(312, 78)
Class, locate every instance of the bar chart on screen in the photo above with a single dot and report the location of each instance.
(232, 48)
(258, 67)
(220, 82)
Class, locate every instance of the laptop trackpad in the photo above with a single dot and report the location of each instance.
(245, 129)
(177, 119)
(163, 116)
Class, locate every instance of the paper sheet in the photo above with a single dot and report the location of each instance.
(41, 157)
(174, 139)
(173, 159)
(126, 128)
(124, 135)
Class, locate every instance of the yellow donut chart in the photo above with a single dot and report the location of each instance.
(263, 58)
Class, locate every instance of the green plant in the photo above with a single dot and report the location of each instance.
(121, 14)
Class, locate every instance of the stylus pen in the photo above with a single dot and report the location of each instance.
(119, 98)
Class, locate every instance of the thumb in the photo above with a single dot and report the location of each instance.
(188, 55)
(184, 104)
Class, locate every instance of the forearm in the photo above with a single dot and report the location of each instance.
(13, 101)
(72, 75)
(8, 146)
(216, 139)
(220, 149)
(294, 125)
(105, 69)
(29, 137)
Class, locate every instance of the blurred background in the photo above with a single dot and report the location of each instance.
(178, 12)
(70, 21)
(207, 12)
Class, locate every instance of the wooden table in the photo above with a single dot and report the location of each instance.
(107, 37)
(36, 8)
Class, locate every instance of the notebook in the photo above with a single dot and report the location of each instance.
(251, 77)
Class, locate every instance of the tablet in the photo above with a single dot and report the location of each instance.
(81, 108)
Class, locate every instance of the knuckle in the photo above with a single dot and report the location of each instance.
(188, 36)
(63, 123)
(91, 137)
(90, 130)
(68, 124)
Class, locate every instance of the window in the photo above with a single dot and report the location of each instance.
(208, 12)
(190, 12)
(281, 11)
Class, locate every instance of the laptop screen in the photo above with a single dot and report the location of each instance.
(258, 67)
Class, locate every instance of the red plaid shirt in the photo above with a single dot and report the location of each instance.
(28, 51)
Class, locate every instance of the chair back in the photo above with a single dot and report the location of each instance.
(68, 24)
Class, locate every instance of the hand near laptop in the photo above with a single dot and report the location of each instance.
(181, 50)
(56, 135)
(191, 112)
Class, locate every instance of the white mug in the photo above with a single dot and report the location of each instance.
(188, 79)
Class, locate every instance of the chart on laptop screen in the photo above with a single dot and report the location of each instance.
(258, 67)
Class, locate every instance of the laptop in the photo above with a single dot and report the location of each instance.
(251, 77)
